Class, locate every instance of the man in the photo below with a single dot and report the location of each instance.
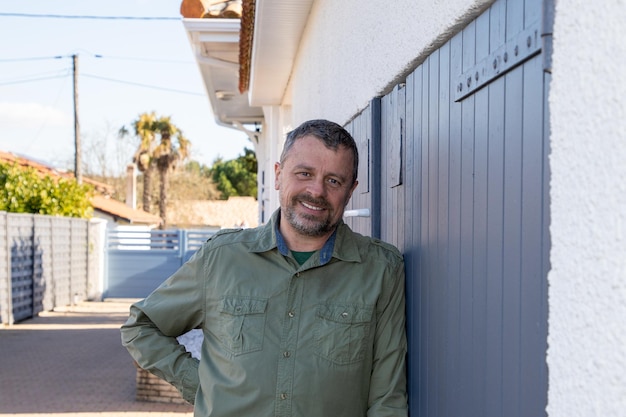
(301, 316)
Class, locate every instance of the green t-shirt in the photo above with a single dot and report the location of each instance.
(301, 257)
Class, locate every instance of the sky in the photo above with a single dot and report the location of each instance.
(125, 67)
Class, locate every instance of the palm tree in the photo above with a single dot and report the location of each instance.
(144, 130)
(166, 155)
(163, 156)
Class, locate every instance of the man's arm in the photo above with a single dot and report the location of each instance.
(154, 323)
(388, 395)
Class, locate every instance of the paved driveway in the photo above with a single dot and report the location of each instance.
(70, 362)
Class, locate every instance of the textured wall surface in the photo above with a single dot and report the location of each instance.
(587, 324)
(380, 47)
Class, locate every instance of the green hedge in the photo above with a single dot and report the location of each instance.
(24, 190)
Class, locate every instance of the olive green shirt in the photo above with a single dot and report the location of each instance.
(326, 338)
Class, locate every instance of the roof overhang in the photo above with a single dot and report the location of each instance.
(278, 28)
(215, 43)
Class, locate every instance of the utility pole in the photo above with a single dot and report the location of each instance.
(77, 152)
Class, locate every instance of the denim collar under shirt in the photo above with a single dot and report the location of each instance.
(326, 253)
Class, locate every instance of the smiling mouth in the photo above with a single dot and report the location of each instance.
(310, 207)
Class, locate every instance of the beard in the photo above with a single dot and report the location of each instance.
(306, 224)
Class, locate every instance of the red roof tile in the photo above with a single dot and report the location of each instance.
(119, 210)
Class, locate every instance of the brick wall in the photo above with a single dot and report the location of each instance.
(154, 389)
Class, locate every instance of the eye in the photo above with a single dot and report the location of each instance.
(334, 182)
(303, 174)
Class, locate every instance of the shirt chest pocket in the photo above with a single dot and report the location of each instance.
(341, 331)
(242, 324)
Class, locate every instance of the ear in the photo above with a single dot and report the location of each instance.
(277, 175)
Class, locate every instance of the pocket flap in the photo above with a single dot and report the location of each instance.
(243, 305)
(345, 313)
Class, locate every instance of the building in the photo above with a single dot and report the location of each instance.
(495, 139)
(213, 214)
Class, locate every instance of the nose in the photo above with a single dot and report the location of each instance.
(317, 187)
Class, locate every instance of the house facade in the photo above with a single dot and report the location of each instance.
(491, 136)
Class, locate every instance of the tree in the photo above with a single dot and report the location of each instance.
(24, 190)
(236, 177)
(166, 156)
(144, 129)
(105, 153)
(162, 156)
(196, 168)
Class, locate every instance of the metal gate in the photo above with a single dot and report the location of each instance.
(459, 182)
(138, 261)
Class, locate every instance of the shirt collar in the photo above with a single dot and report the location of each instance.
(326, 253)
(341, 244)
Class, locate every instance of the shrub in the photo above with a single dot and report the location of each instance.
(24, 190)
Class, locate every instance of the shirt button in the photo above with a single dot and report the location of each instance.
(344, 314)
(298, 274)
(291, 314)
(286, 354)
(283, 396)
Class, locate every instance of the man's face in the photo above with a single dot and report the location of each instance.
(314, 185)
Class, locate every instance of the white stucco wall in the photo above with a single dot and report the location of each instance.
(587, 283)
(353, 50)
(380, 43)
(277, 125)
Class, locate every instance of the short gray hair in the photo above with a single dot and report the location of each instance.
(333, 136)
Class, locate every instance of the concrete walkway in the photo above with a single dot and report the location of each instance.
(70, 362)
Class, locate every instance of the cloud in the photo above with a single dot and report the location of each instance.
(32, 115)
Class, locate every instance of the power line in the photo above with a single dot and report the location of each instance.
(66, 73)
(34, 58)
(51, 77)
(128, 58)
(42, 77)
(123, 58)
(60, 16)
(143, 85)
(42, 58)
